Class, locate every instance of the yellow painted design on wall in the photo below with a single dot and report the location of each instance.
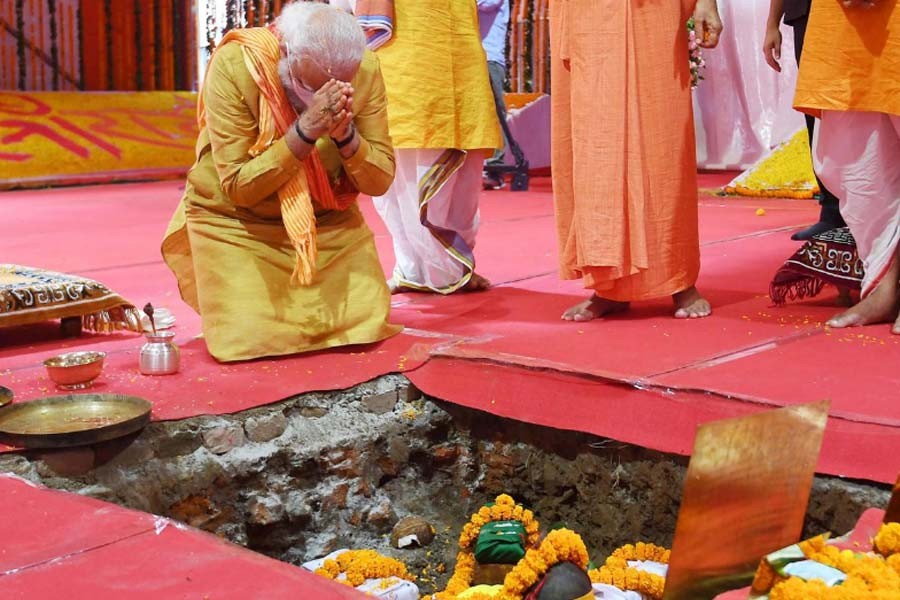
(54, 138)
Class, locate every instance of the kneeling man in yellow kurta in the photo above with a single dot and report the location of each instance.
(268, 244)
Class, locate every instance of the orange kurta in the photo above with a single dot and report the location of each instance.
(624, 159)
(864, 73)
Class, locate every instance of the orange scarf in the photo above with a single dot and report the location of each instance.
(261, 55)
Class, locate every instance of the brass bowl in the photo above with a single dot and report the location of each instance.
(75, 370)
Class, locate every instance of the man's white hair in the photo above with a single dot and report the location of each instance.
(329, 37)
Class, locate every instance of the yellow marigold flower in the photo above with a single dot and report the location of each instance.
(359, 565)
(616, 571)
(765, 578)
(887, 542)
(893, 562)
(869, 576)
(785, 173)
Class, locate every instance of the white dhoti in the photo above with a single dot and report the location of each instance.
(857, 156)
(431, 212)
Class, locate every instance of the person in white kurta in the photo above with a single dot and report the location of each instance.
(443, 123)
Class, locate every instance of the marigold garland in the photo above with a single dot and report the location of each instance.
(869, 576)
(461, 580)
(561, 545)
(893, 562)
(643, 551)
(887, 542)
(765, 579)
(504, 509)
(616, 571)
(360, 565)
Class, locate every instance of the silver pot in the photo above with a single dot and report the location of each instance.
(160, 356)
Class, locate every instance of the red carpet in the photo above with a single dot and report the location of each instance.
(643, 378)
(91, 549)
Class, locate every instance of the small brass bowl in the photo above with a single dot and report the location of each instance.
(75, 370)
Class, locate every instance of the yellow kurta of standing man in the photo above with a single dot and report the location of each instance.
(435, 71)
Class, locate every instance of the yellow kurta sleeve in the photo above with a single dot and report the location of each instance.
(371, 169)
(232, 98)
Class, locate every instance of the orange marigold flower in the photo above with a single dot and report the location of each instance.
(887, 542)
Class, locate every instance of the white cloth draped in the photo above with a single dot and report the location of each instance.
(426, 257)
(743, 108)
(857, 156)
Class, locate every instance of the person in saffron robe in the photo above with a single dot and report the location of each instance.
(850, 76)
(623, 156)
(444, 124)
(268, 244)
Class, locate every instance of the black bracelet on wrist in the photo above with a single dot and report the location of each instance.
(342, 143)
(303, 135)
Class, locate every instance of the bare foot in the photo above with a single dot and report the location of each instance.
(689, 304)
(594, 308)
(878, 307)
(476, 284)
(396, 287)
(845, 298)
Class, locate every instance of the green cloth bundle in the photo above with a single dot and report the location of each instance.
(501, 542)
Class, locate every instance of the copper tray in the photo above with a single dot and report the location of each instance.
(6, 395)
(72, 420)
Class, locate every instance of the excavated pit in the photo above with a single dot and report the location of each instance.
(322, 471)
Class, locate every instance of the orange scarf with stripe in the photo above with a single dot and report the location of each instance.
(262, 52)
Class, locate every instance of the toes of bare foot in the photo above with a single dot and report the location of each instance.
(852, 318)
(477, 283)
(839, 322)
(698, 310)
(689, 304)
(594, 308)
(398, 288)
(578, 314)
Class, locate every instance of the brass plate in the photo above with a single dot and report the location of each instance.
(73, 420)
(6, 395)
(745, 496)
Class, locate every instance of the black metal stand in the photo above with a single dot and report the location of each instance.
(519, 170)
